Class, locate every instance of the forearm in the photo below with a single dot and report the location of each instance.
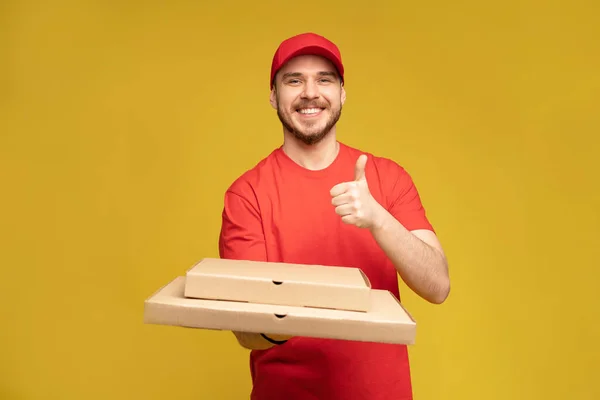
(255, 341)
(422, 267)
(252, 341)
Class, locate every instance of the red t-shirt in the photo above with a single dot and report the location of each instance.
(281, 212)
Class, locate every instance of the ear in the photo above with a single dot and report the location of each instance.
(343, 95)
(273, 98)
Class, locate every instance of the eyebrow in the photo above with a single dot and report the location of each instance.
(298, 74)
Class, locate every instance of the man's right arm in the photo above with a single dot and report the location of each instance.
(242, 238)
(254, 341)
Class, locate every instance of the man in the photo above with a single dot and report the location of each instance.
(315, 200)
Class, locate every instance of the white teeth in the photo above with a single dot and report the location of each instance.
(309, 110)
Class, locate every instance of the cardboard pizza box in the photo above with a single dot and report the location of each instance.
(386, 320)
(317, 286)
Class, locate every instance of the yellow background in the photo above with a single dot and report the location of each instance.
(122, 123)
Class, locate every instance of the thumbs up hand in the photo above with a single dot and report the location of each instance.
(353, 200)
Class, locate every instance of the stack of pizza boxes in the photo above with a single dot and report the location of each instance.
(333, 302)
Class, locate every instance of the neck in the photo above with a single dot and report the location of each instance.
(313, 157)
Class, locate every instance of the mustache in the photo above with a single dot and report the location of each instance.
(310, 104)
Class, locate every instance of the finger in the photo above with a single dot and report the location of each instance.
(359, 169)
(339, 189)
(346, 198)
(350, 219)
(345, 210)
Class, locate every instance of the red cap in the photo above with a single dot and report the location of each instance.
(306, 44)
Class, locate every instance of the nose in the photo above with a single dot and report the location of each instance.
(311, 90)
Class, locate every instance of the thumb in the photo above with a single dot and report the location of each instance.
(359, 170)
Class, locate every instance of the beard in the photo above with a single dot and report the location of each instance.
(309, 135)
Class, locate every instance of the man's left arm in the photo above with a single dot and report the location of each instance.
(403, 233)
(417, 255)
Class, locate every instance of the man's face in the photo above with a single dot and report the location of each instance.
(308, 96)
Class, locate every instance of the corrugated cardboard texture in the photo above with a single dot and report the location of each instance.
(279, 283)
(386, 321)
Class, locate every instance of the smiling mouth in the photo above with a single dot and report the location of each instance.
(309, 111)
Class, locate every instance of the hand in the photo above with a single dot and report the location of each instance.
(353, 200)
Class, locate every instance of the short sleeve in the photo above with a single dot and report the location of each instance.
(241, 236)
(405, 202)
